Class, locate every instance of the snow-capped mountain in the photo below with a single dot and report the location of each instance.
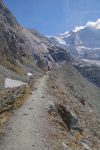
(82, 42)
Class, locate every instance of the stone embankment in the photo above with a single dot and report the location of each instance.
(8, 97)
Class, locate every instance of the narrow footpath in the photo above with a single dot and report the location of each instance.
(27, 128)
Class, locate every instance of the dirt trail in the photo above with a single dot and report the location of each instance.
(27, 129)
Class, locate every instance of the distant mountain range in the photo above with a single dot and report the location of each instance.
(83, 42)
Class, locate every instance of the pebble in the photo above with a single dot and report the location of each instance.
(35, 116)
(25, 114)
(30, 108)
(64, 145)
(36, 131)
(42, 97)
(85, 146)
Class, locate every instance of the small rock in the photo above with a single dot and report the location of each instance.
(44, 140)
(46, 93)
(26, 114)
(30, 108)
(31, 93)
(74, 121)
(85, 146)
(36, 131)
(53, 86)
(78, 129)
(82, 101)
(42, 97)
(50, 107)
(35, 116)
(64, 145)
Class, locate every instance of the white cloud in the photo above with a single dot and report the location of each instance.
(95, 25)
(91, 24)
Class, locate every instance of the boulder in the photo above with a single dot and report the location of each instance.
(68, 117)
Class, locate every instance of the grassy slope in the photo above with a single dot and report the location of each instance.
(79, 86)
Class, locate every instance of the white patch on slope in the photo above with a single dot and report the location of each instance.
(66, 34)
(10, 83)
(60, 40)
(83, 48)
(78, 28)
(29, 74)
(92, 62)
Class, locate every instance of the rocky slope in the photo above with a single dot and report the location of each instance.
(79, 86)
(23, 47)
(76, 101)
(89, 69)
(12, 46)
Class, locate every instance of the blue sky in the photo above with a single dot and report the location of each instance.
(51, 17)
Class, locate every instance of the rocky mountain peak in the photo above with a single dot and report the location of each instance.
(84, 41)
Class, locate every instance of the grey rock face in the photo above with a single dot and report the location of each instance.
(8, 97)
(74, 122)
(21, 46)
(70, 120)
(50, 107)
(90, 72)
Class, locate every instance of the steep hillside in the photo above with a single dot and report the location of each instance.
(89, 69)
(23, 47)
(13, 49)
(77, 118)
(79, 86)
